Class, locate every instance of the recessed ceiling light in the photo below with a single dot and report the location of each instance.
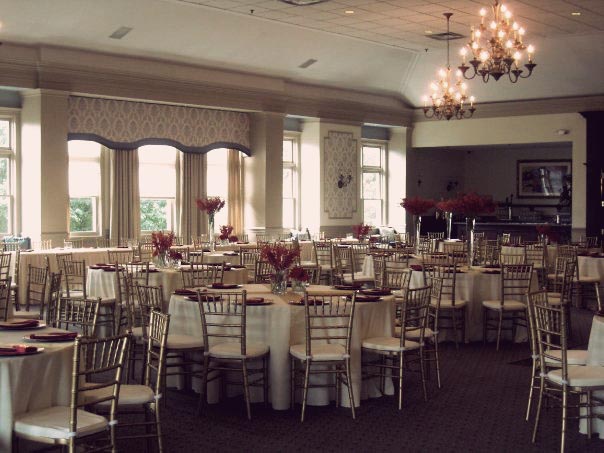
(428, 32)
(575, 13)
(120, 32)
(349, 11)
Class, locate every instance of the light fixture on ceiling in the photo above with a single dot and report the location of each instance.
(303, 2)
(497, 48)
(575, 13)
(448, 97)
(349, 11)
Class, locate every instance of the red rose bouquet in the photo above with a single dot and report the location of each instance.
(225, 232)
(298, 273)
(417, 205)
(161, 242)
(360, 230)
(279, 256)
(471, 204)
(210, 205)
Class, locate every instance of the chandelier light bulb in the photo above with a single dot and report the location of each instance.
(483, 12)
(501, 34)
(504, 8)
(515, 26)
(508, 15)
(493, 25)
(484, 55)
(477, 34)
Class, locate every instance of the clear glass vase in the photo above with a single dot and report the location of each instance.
(279, 282)
(417, 221)
(298, 286)
(470, 225)
(449, 223)
(162, 260)
(211, 232)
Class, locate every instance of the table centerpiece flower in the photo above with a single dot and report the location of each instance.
(360, 231)
(447, 207)
(210, 205)
(281, 258)
(161, 242)
(298, 277)
(417, 206)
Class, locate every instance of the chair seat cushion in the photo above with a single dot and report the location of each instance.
(414, 333)
(130, 394)
(580, 376)
(390, 344)
(22, 314)
(448, 303)
(137, 332)
(586, 279)
(53, 423)
(509, 305)
(358, 277)
(573, 356)
(319, 351)
(107, 302)
(233, 350)
(184, 342)
(14, 285)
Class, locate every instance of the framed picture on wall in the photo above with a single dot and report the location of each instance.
(542, 178)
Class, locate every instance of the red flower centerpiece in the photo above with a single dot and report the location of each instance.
(281, 258)
(448, 207)
(360, 231)
(161, 243)
(225, 232)
(210, 205)
(417, 206)
(298, 273)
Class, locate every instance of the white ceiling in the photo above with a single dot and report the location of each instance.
(379, 48)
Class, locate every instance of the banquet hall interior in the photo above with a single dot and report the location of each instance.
(301, 225)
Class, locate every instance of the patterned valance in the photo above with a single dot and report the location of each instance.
(128, 125)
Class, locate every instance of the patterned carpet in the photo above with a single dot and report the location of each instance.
(480, 408)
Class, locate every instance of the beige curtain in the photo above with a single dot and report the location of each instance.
(125, 198)
(192, 186)
(235, 201)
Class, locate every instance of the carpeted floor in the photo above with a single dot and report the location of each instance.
(481, 407)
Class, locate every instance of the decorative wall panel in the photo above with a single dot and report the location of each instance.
(127, 125)
(340, 176)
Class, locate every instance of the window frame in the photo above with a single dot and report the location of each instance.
(381, 171)
(97, 214)
(294, 166)
(12, 153)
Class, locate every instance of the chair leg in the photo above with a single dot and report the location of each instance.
(539, 404)
(598, 300)
(265, 379)
(531, 389)
(485, 320)
(349, 385)
(499, 326)
(160, 443)
(204, 384)
(437, 360)
(423, 371)
(564, 415)
(305, 390)
(400, 382)
(292, 390)
(246, 389)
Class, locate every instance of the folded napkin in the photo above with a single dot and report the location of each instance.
(364, 298)
(491, 266)
(94, 267)
(20, 324)
(185, 292)
(376, 292)
(311, 302)
(152, 271)
(243, 242)
(224, 286)
(494, 272)
(230, 254)
(349, 287)
(417, 267)
(122, 247)
(254, 300)
(17, 349)
(205, 298)
(206, 250)
(54, 336)
(237, 266)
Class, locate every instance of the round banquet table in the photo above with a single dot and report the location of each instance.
(100, 283)
(474, 286)
(591, 266)
(280, 325)
(221, 257)
(34, 381)
(595, 356)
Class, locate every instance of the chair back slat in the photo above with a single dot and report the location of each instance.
(5, 291)
(223, 317)
(78, 313)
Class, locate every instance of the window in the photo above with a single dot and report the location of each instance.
(290, 183)
(157, 186)
(372, 189)
(217, 182)
(84, 187)
(7, 156)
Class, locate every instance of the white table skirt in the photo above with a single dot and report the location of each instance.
(100, 283)
(595, 356)
(32, 382)
(280, 325)
(591, 267)
(474, 287)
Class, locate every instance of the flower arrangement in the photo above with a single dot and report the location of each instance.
(233, 239)
(279, 256)
(417, 205)
(360, 230)
(175, 255)
(471, 204)
(546, 230)
(161, 242)
(225, 232)
(543, 229)
(298, 273)
(449, 205)
(210, 205)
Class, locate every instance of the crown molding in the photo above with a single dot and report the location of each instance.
(98, 74)
(530, 107)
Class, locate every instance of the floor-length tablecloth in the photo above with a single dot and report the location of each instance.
(32, 382)
(595, 357)
(280, 325)
(591, 266)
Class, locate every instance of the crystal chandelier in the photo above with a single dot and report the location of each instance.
(497, 48)
(448, 97)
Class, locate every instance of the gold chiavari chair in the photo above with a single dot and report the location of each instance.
(357, 255)
(263, 271)
(54, 294)
(4, 298)
(559, 381)
(149, 298)
(435, 259)
(5, 259)
(248, 259)
(12, 246)
(102, 243)
(414, 312)
(515, 285)
(519, 257)
(452, 309)
(183, 250)
(588, 242)
(79, 313)
(124, 302)
(145, 252)
(35, 293)
(536, 254)
(263, 238)
(575, 357)
(326, 350)
(15, 285)
(456, 251)
(74, 274)
(242, 237)
(120, 256)
(396, 279)
(60, 257)
(491, 253)
(197, 276)
(224, 326)
(147, 395)
(137, 272)
(97, 367)
(201, 242)
(379, 265)
(324, 255)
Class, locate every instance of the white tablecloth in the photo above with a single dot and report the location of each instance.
(591, 267)
(32, 382)
(100, 283)
(474, 287)
(280, 325)
(595, 356)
